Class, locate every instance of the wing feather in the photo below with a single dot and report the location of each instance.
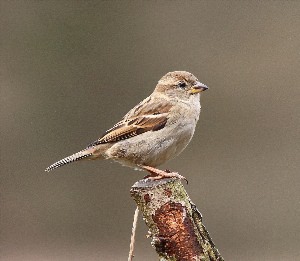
(137, 121)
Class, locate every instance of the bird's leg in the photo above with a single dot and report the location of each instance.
(156, 174)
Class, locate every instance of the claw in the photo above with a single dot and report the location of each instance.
(156, 174)
(179, 176)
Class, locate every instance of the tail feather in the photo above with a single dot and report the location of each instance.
(75, 157)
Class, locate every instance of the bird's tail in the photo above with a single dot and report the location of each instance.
(75, 157)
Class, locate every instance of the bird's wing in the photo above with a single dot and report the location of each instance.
(146, 116)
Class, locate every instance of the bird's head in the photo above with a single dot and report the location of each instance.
(180, 84)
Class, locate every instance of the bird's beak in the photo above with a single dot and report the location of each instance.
(198, 87)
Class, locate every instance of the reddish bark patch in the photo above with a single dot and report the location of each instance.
(147, 198)
(168, 192)
(176, 232)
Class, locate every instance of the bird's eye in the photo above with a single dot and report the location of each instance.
(182, 84)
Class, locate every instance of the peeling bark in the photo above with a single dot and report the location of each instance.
(175, 224)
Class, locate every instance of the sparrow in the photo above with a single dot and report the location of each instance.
(154, 131)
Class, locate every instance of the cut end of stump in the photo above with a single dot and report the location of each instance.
(147, 183)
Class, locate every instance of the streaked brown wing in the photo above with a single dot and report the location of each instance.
(149, 107)
(130, 128)
(146, 116)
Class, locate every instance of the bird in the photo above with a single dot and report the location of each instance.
(154, 131)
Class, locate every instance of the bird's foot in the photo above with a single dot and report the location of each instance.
(157, 174)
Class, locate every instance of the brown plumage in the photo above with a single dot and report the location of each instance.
(155, 130)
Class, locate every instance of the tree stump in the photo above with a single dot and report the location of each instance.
(174, 222)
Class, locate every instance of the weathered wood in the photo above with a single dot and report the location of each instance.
(175, 224)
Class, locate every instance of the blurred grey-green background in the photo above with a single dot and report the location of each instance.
(71, 69)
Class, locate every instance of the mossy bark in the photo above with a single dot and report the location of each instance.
(175, 224)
